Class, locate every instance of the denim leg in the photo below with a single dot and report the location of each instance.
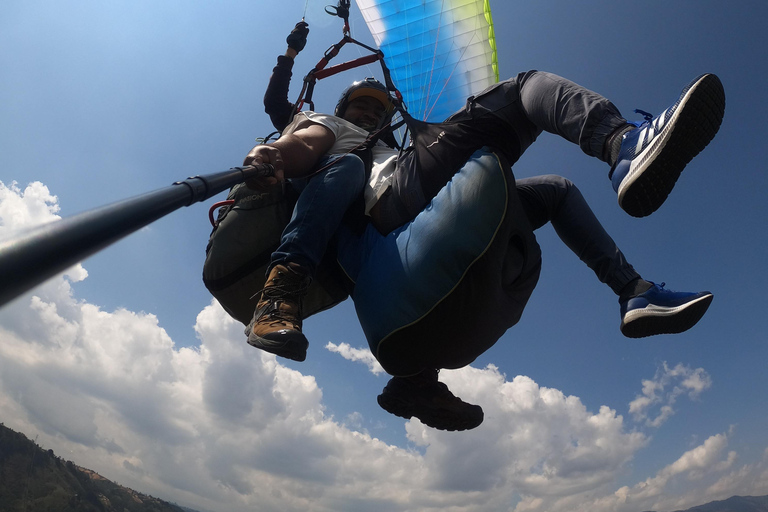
(557, 200)
(323, 200)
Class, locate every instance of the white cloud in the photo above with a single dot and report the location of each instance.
(664, 389)
(535, 440)
(226, 427)
(356, 355)
(699, 458)
(748, 480)
(33, 206)
(23, 208)
(652, 494)
(704, 458)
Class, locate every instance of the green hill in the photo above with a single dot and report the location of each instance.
(36, 480)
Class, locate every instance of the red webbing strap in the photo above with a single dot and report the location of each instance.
(330, 53)
(338, 68)
(310, 79)
(319, 72)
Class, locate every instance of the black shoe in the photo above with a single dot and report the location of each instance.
(430, 401)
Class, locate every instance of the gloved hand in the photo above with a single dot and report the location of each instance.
(297, 39)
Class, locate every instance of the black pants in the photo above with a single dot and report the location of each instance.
(557, 200)
(508, 117)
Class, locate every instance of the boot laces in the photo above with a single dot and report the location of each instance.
(284, 289)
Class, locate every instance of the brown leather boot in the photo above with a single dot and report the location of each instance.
(276, 324)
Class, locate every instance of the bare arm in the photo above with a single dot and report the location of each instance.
(294, 155)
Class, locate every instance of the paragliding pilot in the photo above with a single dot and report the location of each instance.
(315, 154)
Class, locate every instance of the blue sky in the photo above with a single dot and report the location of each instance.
(126, 367)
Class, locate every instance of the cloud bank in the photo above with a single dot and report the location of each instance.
(225, 427)
(664, 389)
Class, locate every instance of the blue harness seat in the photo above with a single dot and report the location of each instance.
(441, 290)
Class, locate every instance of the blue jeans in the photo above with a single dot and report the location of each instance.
(323, 200)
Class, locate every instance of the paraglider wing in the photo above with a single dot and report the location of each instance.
(438, 51)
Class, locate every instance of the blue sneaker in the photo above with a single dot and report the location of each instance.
(660, 311)
(653, 155)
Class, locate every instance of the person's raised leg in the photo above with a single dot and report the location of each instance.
(646, 158)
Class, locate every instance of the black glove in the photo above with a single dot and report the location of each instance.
(297, 39)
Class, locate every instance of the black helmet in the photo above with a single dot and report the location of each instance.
(368, 87)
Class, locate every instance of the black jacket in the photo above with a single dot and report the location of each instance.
(276, 103)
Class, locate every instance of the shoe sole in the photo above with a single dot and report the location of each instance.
(434, 420)
(287, 349)
(692, 127)
(650, 322)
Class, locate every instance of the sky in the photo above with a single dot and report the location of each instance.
(125, 365)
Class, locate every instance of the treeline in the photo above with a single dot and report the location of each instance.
(36, 480)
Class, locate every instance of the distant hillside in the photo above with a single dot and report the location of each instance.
(734, 504)
(33, 479)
